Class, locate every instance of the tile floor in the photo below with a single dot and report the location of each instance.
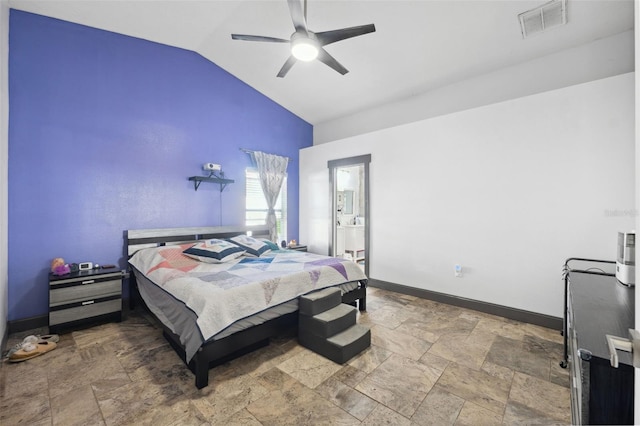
(429, 364)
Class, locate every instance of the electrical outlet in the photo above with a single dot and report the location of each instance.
(457, 268)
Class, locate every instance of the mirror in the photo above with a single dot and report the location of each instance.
(347, 207)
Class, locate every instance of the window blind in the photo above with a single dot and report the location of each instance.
(256, 204)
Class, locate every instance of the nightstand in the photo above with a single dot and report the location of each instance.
(297, 248)
(85, 296)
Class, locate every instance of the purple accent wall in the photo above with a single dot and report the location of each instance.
(105, 129)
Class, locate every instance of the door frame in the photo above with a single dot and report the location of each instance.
(333, 166)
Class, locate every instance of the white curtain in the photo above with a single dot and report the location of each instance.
(272, 170)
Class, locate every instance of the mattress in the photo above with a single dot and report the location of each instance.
(200, 301)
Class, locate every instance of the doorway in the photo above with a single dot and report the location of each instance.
(350, 210)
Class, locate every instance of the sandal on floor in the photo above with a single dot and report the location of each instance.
(49, 338)
(31, 350)
(18, 346)
(32, 339)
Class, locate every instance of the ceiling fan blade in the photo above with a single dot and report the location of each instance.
(328, 37)
(258, 38)
(324, 57)
(287, 66)
(297, 16)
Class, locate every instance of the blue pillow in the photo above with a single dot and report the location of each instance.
(214, 251)
(271, 244)
(251, 246)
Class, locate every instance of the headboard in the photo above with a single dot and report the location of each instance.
(142, 238)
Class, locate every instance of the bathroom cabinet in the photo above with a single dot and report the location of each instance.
(354, 241)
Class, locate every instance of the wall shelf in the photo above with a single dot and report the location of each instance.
(212, 178)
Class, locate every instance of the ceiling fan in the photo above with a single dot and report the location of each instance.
(307, 45)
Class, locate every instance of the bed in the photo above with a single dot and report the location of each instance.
(212, 312)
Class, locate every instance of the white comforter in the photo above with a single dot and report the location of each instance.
(221, 294)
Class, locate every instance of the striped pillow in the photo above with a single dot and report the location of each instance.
(214, 251)
(252, 246)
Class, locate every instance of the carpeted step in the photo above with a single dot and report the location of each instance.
(341, 347)
(319, 301)
(329, 323)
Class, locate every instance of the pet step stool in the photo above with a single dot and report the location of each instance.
(319, 301)
(328, 327)
(341, 347)
(330, 322)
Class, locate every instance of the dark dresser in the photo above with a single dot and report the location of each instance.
(599, 305)
(84, 296)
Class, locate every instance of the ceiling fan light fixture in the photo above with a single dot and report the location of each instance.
(307, 45)
(304, 49)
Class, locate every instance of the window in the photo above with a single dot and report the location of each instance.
(256, 204)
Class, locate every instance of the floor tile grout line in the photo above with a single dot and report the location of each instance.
(336, 405)
(93, 391)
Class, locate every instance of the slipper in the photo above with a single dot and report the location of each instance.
(49, 338)
(32, 350)
(32, 339)
(18, 346)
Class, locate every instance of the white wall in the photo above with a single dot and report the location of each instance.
(606, 57)
(4, 147)
(508, 190)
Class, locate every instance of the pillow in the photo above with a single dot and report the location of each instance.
(252, 246)
(214, 251)
(271, 244)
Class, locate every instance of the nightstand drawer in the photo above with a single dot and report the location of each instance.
(88, 310)
(84, 290)
(84, 297)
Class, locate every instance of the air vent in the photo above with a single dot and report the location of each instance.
(540, 19)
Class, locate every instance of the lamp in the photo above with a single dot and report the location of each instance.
(304, 48)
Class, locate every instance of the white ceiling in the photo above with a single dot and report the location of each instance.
(418, 45)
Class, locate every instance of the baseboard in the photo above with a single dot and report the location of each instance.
(489, 308)
(25, 324)
(5, 339)
(3, 349)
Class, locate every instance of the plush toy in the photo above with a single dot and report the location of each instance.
(61, 270)
(58, 261)
(58, 267)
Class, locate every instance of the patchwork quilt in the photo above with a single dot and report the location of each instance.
(220, 294)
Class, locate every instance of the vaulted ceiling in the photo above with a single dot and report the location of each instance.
(419, 45)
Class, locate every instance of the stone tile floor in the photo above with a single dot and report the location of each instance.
(429, 364)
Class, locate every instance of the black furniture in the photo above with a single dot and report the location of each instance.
(597, 305)
(297, 248)
(215, 352)
(84, 297)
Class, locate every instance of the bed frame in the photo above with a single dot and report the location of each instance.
(216, 352)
